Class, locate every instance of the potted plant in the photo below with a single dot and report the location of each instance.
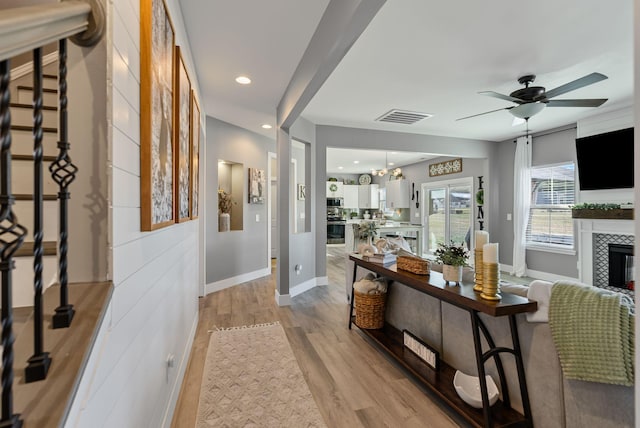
(367, 230)
(453, 258)
(224, 210)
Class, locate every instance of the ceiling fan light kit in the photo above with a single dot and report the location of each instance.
(531, 100)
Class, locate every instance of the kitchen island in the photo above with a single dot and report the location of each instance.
(402, 229)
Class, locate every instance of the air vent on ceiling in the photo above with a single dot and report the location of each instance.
(403, 116)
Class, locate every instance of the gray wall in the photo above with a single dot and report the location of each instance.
(301, 245)
(556, 147)
(229, 254)
(91, 152)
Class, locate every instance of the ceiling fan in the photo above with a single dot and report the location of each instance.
(531, 100)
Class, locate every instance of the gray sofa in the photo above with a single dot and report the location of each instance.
(555, 401)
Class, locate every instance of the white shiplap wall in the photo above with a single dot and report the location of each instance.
(156, 275)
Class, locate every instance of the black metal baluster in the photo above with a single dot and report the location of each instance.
(39, 362)
(11, 237)
(63, 172)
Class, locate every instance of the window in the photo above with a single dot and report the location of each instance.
(552, 192)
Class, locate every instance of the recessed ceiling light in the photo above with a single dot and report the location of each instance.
(391, 164)
(356, 162)
(394, 153)
(243, 80)
(267, 126)
(340, 167)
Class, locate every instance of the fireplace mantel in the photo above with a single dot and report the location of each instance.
(614, 214)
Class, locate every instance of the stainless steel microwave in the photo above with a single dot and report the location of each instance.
(334, 202)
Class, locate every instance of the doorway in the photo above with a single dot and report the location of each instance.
(272, 233)
(447, 211)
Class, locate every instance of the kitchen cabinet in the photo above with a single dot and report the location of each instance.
(335, 189)
(397, 194)
(368, 196)
(350, 196)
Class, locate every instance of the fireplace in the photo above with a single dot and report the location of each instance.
(613, 262)
(621, 266)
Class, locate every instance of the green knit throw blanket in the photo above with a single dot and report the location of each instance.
(593, 330)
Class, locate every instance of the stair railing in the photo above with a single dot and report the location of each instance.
(21, 30)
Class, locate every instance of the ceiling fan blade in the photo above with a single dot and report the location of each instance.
(592, 102)
(517, 121)
(486, 112)
(502, 96)
(576, 84)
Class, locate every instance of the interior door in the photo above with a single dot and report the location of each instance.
(434, 202)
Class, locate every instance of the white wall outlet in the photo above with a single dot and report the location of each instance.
(298, 269)
(417, 215)
(257, 218)
(301, 215)
(508, 216)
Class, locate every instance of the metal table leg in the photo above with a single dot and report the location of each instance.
(355, 271)
(486, 410)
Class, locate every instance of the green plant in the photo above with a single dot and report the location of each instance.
(587, 206)
(452, 254)
(367, 229)
(480, 197)
(224, 201)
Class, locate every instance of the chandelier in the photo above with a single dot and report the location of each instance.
(384, 171)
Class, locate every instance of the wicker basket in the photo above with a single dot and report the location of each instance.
(369, 309)
(413, 264)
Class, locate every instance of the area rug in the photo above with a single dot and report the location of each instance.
(252, 379)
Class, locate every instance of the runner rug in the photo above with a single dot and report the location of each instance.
(251, 379)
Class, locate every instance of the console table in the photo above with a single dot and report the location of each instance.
(441, 381)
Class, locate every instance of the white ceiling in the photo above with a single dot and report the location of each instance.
(342, 161)
(420, 55)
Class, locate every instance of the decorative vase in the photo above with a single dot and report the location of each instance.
(224, 222)
(452, 273)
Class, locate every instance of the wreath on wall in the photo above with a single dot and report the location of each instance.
(333, 187)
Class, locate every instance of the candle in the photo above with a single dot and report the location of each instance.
(490, 253)
(482, 237)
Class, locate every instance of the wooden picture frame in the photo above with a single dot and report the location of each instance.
(182, 147)
(452, 166)
(195, 155)
(257, 186)
(157, 39)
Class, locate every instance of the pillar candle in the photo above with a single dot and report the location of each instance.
(482, 237)
(490, 253)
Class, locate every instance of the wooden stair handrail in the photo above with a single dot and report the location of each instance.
(21, 27)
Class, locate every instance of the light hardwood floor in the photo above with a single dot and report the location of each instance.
(352, 382)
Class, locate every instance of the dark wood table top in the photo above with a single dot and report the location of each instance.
(461, 295)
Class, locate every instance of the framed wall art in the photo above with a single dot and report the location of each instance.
(182, 124)
(443, 168)
(257, 183)
(156, 116)
(195, 154)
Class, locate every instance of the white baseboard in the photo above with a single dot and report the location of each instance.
(24, 69)
(536, 274)
(283, 299)
(230, 282)
(308, 285)
(175, 391)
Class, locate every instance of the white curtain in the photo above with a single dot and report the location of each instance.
(521, 203)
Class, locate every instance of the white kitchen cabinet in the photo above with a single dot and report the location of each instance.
(397, 194)
(335, 189)
(351, 196)
(368, 196)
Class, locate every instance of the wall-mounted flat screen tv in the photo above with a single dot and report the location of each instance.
(605, 161)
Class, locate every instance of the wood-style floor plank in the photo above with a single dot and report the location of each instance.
(353, 383)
